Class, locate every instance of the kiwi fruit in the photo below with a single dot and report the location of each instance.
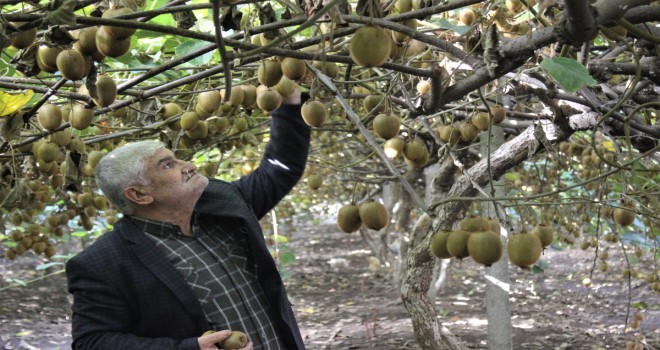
(200, 131)
(236, 97)
(269, 100)
(189, 120)
(485, 247)
(472, 224)
(314, 113)
(170, 110)
(403, 5)
(50, 251)
(418, 163)
(328, 68)
(386, 126)
(414, 149)
(423, 87)
(48, 152)
(47, 58)
(85, 199)
(81, 117)
(24, 39)
(439, 245)
(624, 216)
(286, 87)
(293, 68)
(394, 147)
(209, 101)
(457, 243)
(499, 114)
(467, 17)
(220, 123)
(401, 38)
(468, 132)
(109, 45)
(49, 116)
(545, 234)
(236, 340)
(118, 32)
(86, 43)
(71, 64)
(481, 120)
(524, 249)
(370, 46)
(61, 138)
(373, 215)
(269, 72)
(249, 95)
(106, 90)
(375, 102)
(449, 134)
(240, 124)
(348, 218)
(10, 254)
(94, 157)
(314, 181)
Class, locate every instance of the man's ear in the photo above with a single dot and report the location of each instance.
(138, 196)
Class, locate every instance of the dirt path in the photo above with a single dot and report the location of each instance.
(342, 303)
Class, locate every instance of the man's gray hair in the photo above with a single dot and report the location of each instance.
(124, 167)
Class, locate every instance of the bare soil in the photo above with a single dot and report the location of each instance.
(344, 302)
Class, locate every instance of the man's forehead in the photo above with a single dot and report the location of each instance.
(161, 154)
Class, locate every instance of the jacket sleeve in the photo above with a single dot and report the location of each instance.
(283, 162)
(102, 316)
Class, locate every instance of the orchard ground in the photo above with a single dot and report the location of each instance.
(343, 302)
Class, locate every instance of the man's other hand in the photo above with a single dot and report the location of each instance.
(208, 341)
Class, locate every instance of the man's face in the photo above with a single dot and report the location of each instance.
(173, 182)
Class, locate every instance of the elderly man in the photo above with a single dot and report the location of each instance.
(188, 255)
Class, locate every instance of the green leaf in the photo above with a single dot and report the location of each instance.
(445, 24)
(287, 258)
(540, 266)
(17, 281)
(189, 46)
(640, 305)
(47, 265)
(80, 234)
(569, 73)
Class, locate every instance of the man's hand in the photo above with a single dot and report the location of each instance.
(208, 341)
(293, 99)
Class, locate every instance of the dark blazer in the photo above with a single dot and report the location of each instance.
(128, 296)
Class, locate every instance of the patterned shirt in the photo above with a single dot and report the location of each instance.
(214, 261)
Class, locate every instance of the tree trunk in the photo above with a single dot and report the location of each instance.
(416, 282)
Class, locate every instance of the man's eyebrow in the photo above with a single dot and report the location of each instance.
(163, 160)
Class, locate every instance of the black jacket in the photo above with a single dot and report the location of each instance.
(128, 296)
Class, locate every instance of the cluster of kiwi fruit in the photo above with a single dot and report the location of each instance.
(476, 237)
(236, 340)
(92, 44)
(479, 238)
(371, 213)
(31, 239)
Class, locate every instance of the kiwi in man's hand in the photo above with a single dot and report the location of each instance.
(236, 340)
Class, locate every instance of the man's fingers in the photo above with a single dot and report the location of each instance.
(208, 341)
